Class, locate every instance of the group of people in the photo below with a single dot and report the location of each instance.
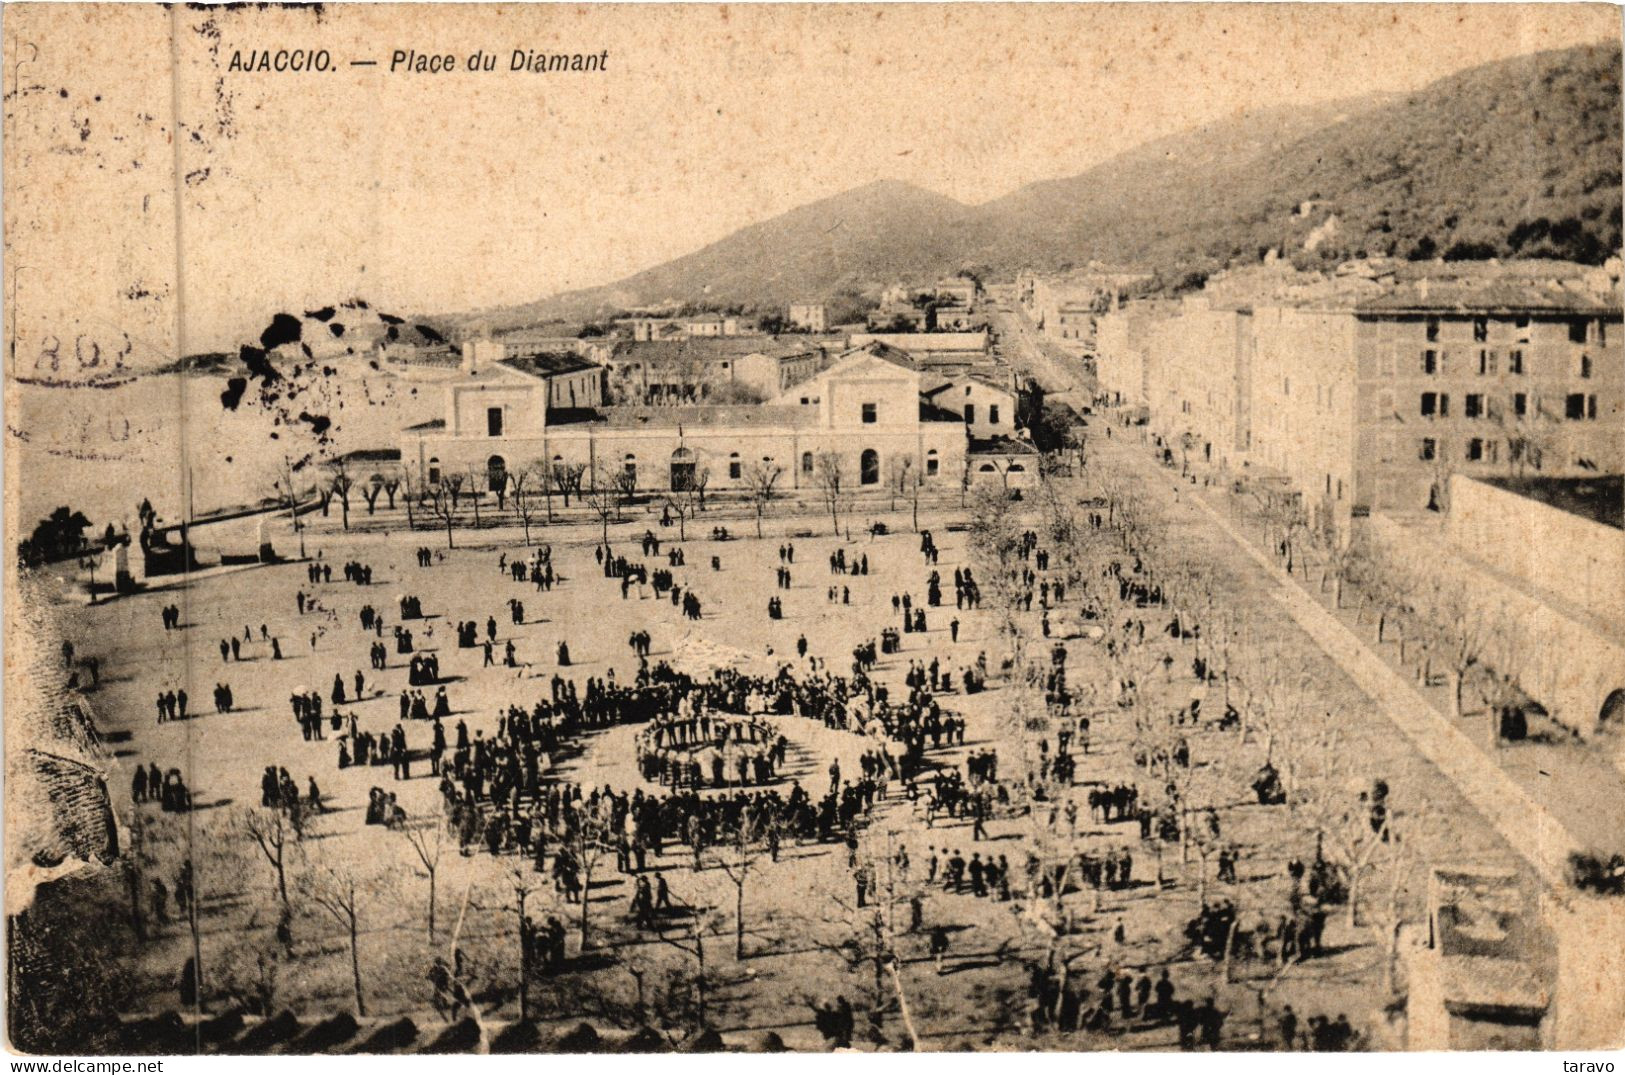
(693, 752)
(169, 790)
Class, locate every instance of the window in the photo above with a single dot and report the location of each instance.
(1430, 362)
(806, 463)
(1585, 367)
(1522, 325)
(931, 463)
(1515, 361)
(1602, 333)
(870, 415)
(1575, 405)
(1430, 404)
(1577, 331)
(1433, 329)
(1492, 451)
(869, 467)
(970, 414)
(1385, 405)
(1429, 450)
(1520, 404)
(992, 414)
(1473, 405)
(1444, 404)
(1591, 407)
(493, 421)
(434, 471)
(1486, 361)
(1481, 329)
(734, 470)
(1475, 450)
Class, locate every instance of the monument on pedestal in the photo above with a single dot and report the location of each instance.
(126, 576)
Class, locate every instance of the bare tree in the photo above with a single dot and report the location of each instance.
(521, 882)
(626, 485)
(684, 502)
(371, 489)
(602, 498)
(471, 482)
(271, 830)
(761, 484)
(1462, 631)
(831, 485)
(1346, 823)
(700, 922)
(565, 479)
(740, 857)
(340, 482)
(526, 484)
(285, 491)
(428, 839)
(588, 841)
(443, 497)
(336, 889)
(411, 486)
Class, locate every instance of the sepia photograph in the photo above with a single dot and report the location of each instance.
(808, 528)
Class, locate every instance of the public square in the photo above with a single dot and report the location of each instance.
(803, 941)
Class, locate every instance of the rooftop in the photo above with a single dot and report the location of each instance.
(1391, 286)
(1600, 499)
(547, 364)
(375, 455)
(1001, 445)
(705, 349)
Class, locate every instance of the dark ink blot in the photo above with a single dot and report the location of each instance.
(233, 395)
(284, 328)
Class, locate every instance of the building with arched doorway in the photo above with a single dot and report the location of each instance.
(864, 417)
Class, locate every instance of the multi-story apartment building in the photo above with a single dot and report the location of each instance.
(1374, 404)
(812, 316)
(1199, 382)
(1369, 388)
(1122, 344)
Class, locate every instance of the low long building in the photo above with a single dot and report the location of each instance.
(866, 411)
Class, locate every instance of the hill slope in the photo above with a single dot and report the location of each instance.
(1516, 157)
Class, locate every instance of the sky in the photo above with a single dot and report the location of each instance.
(427, 193)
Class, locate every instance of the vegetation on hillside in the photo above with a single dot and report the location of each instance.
(1519, 158)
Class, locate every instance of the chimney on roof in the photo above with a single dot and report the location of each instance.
(479, 352)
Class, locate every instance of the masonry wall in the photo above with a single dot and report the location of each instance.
(1570, 667)
(1579, 560)
(651, 451)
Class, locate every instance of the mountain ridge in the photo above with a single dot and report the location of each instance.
(1519, 157)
